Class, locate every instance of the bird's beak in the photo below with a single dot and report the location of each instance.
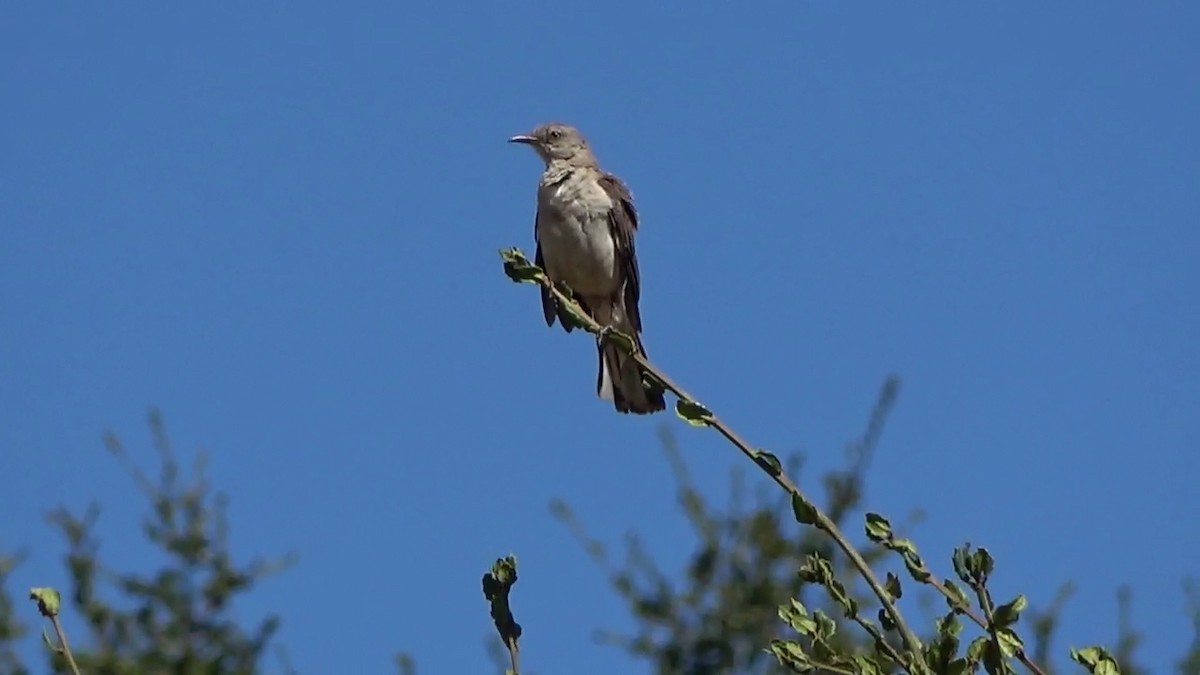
(528, 140)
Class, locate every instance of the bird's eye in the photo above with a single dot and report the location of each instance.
(555, 134)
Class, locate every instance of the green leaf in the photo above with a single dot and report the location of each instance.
(621, 340)
(878, 528)
(821, 651)
(949, 624)
(1008, 613)
(816, 570)
(955, 597)
(826, 626)
(505, 569)
(867, 666)
(650, 381)
(902, 546)
(945, 645)
(993, 660)
(973, 568)
(500, 578)
(957, 667)
(514, 255)
(693, 413)
(982, 564)
(1010, 642)
(1088, 656)
(1096, 660)
(805, 512)
(885, 620)
(572, 313)
(518, 268)
(978, 647)
(916, 567)
(48, 600)
(960, 559)
(790, 654)
(795, 615)
(769, 463)
(838, 592)
(892, 585)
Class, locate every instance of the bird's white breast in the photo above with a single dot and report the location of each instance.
(576, 242)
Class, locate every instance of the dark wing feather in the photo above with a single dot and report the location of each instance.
(548, 308)
(623, 223)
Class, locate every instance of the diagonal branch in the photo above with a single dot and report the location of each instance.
(518, 267)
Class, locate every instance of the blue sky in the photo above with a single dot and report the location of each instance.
(278, 222)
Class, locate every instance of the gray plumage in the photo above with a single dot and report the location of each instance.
(585, 230)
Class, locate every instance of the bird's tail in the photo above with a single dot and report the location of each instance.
(620, 378)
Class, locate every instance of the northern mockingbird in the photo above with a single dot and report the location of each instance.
(585, 229)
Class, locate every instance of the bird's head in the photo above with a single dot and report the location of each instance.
(557, 142)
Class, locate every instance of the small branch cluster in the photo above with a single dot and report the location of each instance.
(497, 583)
(177, 618)
(48, 603)
(896, 644)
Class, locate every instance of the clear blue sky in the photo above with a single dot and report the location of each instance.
(279, 222)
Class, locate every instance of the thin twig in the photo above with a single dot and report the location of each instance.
(62, 641)
(512, 654)
(985, 603)
(49, 602)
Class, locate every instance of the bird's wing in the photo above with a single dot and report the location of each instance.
(622, 223)
(549, 307)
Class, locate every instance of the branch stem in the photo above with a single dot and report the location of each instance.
(62, 641)
(823, 521)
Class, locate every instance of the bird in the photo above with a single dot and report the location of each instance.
(585, 229)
